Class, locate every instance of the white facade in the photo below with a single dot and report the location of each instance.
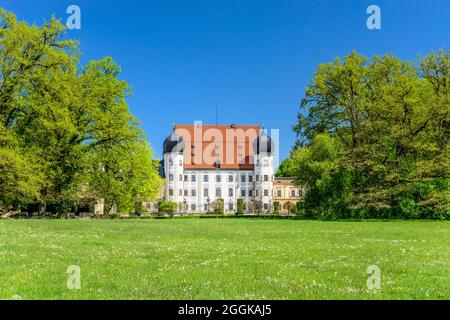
(195, 190)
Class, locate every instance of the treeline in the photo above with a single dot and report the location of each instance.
(66, 132)
(373, 139)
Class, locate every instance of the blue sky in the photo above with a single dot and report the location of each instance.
(254, 58)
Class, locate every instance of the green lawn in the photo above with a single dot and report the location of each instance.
(223, 259)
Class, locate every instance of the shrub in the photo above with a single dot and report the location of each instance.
(167, 207)
(240, 206)
(276, 207)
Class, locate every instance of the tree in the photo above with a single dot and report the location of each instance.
(376, 136)
(218, 206)
(73, 122)
(286, 169)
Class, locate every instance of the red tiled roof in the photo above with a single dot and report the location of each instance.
(230, 146)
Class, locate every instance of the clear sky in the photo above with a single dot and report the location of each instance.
(254, 57)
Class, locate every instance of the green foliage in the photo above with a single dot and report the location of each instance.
(240, 206)
(276, 207)
(286, 168)
(67, 132)
(373, 138)
(168, 207)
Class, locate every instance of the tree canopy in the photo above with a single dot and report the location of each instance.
(373, 138)
(66, 130)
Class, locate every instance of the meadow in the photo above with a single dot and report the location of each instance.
(223, 259)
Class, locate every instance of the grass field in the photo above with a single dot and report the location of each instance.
(223, 259)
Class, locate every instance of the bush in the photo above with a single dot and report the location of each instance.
(167, 207)
(240, 206)
(276, 207)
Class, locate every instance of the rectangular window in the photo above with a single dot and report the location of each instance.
(257, 193)
(250, 193)
(230, 207)
(180, 193)
(218, 178)
(266, 178)
(257, 178)
(185, 178)
(266, 193)
(250, 178)
(170, 177)
(293, 193)
(185, 193)
(170, 192)
(180, 178)
(243, 179)
(242, 193)
(218, 192)
(230, 192)
(181, 163)
(266, 206)
(230, 178)
(193, 193)
(193, 207)
(206, 207)
(205, 192)
(170, 162)
(279, 193)
(193, 178)
(205, 178)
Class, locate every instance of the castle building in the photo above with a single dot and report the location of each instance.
(207, 164)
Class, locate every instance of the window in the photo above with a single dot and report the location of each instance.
(193, 178)
(230, 192)
(250, 193)
(185, 178)
(279, 193)
(170, 192)
(218, 192)
(218, 178)
(266, 178)
(266, 193)
(193, 193)
(205, 192)
(206, 207)
(230, 207)
(293, 194)
(250, 178)
(170, 162)
(257, 177)
(170, 177)
(257, 162)
(266, 206)
(205, 178)
(257, 193)
(185, 193)
(266, 163)
(193, 207)
(181, 163)
(180, 178)
(180, 193)
(242, 193)
(230, 178)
